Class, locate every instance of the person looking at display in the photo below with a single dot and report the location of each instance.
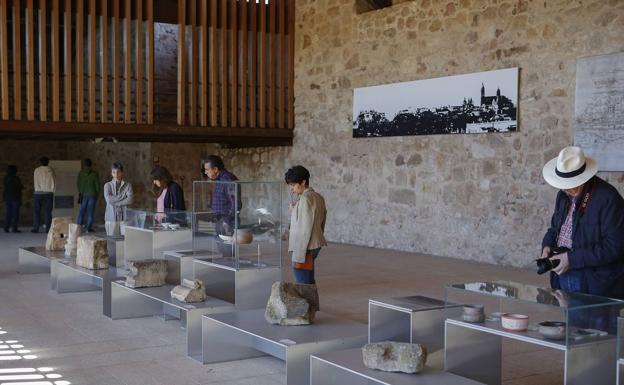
(223, 203)
(88, 189)
(588, 220)
(307, 224)
(44, 186)
(170, 195)
(118, 195)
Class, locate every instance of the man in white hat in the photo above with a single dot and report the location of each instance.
(589, 221)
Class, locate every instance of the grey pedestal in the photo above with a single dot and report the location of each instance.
(143, 243)
(127, 302)
(37, 260)
(474, 351)
(245, 333)
(414, 319)
(67, 277)
(346, 367)
(248, 287)
(179, 266)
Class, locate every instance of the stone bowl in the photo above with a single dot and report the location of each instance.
(474, 313)
(475, 308)
(515, 322)
(552, 330)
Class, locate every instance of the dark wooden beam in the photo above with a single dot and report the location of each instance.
(141, 132)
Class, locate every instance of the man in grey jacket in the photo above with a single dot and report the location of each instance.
(43, 187)
(118, 195)
(307, 224)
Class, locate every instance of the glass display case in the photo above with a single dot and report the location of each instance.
(582, 326)
(153, 220)
(238, 224)
(147, 233)
(237, 239)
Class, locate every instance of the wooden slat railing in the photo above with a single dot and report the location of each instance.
(235, 71)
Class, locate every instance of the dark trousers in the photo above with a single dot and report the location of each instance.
(12, 214)
(44, 200)
(87, 206)
(307, 276)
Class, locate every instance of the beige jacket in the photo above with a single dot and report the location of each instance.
(307, 224)
(43, 179)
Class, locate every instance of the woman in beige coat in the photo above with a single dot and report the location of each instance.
(307, 224)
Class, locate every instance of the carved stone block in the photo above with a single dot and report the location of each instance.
(58, 233)
(395, 356)
(92, 253)
(292, 304)
(189, 291)
(146, 273)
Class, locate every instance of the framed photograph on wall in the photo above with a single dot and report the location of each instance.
(474, 103)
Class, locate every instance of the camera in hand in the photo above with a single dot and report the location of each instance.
(546, 264)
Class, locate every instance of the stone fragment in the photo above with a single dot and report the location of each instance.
(146, 273)
(292, 304)
(395, 356)
(189, 291)
(72, 239)
(57, 234)
(92, 252)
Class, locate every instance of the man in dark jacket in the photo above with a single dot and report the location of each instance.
(589, 221)
(13, 198)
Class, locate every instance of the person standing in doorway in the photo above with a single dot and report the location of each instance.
(88, 189)
(118, 195)
(44, 186)
(13, 199)
(307, 224)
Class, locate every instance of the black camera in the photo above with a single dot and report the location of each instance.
(547, 264)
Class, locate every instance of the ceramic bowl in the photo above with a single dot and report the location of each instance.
(474, 309)
(515, 322)
(552, 330)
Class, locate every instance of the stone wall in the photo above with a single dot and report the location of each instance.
(478, 197)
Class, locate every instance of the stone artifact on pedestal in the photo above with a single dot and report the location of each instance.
(58, 233)
(72, 239)
(395, 356)
(292, 304)
(92, 253)
(189, 291)
(146, 273)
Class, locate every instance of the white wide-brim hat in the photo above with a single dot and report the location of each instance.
(570, 169)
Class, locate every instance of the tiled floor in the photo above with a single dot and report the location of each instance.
(68, 333)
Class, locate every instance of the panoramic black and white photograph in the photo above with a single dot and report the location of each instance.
(473, 103)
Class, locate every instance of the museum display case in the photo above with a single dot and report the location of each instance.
(153, 220)
(149, 233)
(582, 326)
(237, 239)
(238, 224)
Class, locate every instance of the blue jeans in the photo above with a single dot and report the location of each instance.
(307, 276)
(12, 214)
(571, 281)
(47, 201)
(87, 204)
